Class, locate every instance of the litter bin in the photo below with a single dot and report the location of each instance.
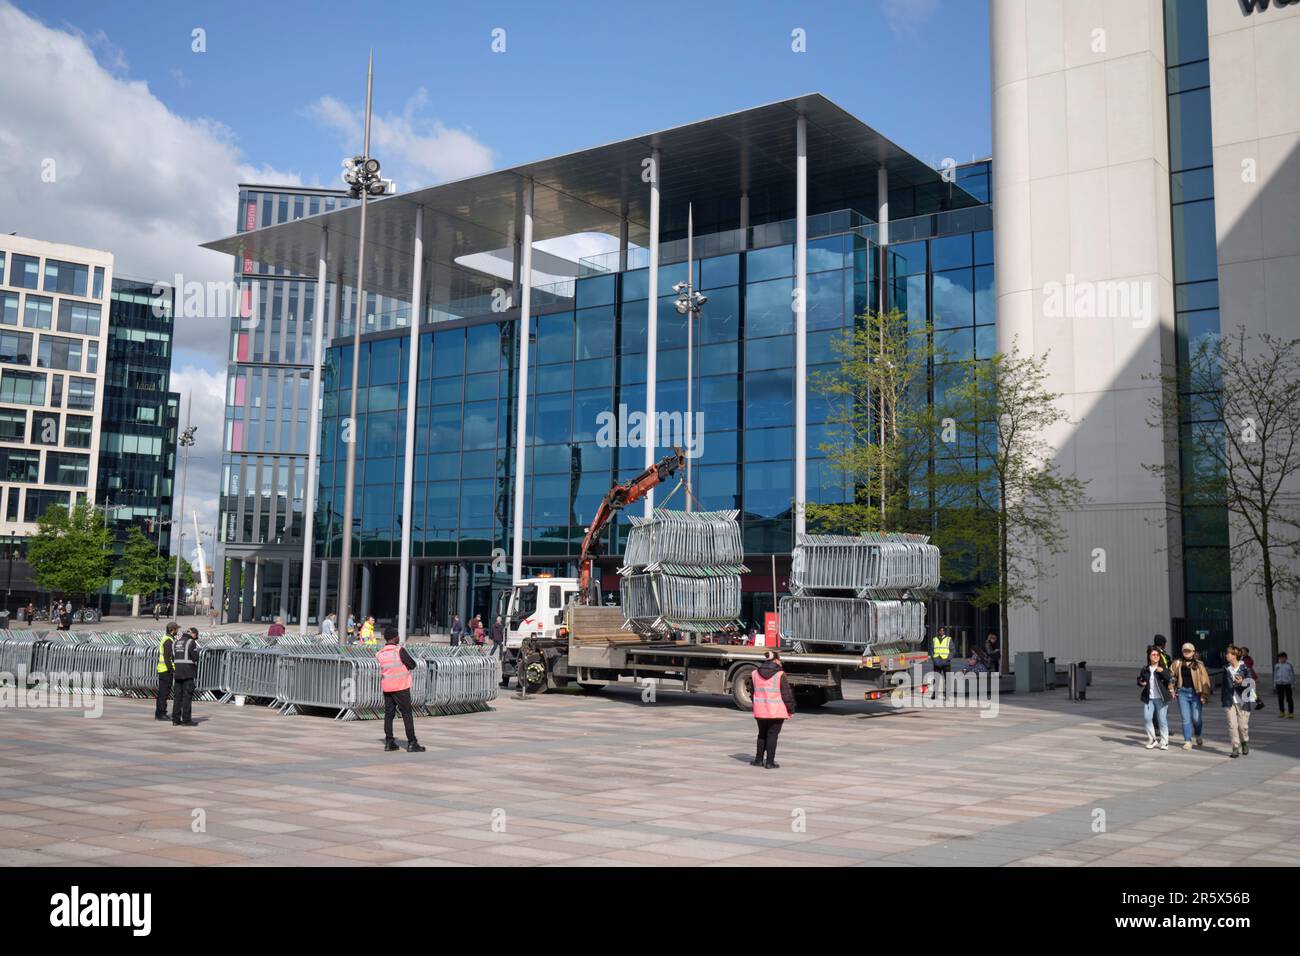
(1049, 673)
(4, 620)
(1029, 672)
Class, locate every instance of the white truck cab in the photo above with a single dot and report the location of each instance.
(535, 608)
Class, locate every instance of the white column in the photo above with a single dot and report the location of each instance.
(882, 220)
(521, 429)
(313, 437)
(365, 591)
(652, 327)
(408, 473)
(801, 326)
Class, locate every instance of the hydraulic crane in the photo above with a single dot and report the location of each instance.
(616, 499)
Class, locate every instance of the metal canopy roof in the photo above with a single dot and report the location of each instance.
(587, 191)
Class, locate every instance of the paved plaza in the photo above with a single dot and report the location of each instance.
(568, 779)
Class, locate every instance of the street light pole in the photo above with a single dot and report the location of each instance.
(690, 304)
(362, 173)
(186, 440)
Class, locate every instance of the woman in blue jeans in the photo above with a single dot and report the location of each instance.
(1191, 682)
(1154, 681)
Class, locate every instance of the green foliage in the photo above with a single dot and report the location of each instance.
(142, 570)
(71, 552)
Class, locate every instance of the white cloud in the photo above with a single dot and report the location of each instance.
(904, 16)
(415, 149)
(129, 176)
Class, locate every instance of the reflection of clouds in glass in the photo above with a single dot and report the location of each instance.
(953, 300)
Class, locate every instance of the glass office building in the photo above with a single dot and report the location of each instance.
(137, 440)
(589, 346)
(264, 445)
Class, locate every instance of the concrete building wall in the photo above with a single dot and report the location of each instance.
(1255, 100)
(1081, 207)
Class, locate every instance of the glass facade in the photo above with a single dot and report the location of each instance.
(1207, 566)
(268, 406)
(587, 377)
(137, 440)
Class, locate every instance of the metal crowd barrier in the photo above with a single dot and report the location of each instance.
(679, 598)
(866, 563)
(851, 622)
(699, 538)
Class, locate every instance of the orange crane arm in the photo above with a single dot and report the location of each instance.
(616, 499)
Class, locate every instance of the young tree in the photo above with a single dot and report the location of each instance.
(142, 570)
(1239, 400)
(882, 425)
(71, 552)
(1008, 496)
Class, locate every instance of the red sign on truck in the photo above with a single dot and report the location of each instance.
(771, 632)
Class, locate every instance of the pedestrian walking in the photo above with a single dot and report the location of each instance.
(1238, 699)
(65, 617)
(1156, 694)
(185, 657)
(476, 628)
(457, 630)
(773, 706)
(395, 666)
(1254, 675)
(1283, 681)
(328, 631)
(166, 670)
(993, 652)
(1158, 642)
(498, 636)
(941, 661)
(1191, 683)
(368, 633)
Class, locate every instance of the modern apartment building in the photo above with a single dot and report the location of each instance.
(54, 318)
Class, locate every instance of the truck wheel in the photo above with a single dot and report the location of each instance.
(534, 673)
(809, 697)
(742, 687)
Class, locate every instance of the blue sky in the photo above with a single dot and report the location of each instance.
(572, 75)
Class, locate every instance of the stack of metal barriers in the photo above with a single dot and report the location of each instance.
(860, 592)
(682, 572)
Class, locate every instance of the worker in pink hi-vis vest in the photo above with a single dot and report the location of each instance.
(773, 706)
(395, 666)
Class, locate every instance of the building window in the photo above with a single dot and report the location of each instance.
(13, 425)
(11, 504)
(22, 388)
(67, 468)
(24, 272)
(98, 291)
(56, 391)
(57, 352)
(92, 356)
(38, 312)
(67, 278)
(8, 308)
(81, 392)
(79, 317)
(76, 433)
(22, 466)
(39, 500)
(16, 347)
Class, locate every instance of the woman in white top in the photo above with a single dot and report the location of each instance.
(1156, 695)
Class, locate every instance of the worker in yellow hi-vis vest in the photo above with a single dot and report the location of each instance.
(940, 661)
(166, 671)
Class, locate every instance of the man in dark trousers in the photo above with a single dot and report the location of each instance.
(166, 671)
(773, 706)
(185, 657)
(498, 635)
(395, 666)
(941, 661)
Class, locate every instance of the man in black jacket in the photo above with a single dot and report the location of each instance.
(395, 666)
(166, 671)
(185, 657)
